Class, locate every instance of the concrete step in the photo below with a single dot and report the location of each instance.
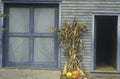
(105, 76)
(29, 74)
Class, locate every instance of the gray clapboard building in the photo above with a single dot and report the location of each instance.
(25, 40)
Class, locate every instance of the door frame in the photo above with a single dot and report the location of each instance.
(93, 65)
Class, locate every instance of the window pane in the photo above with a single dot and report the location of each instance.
(19, 20)
(43, 50)
(18, 49)
(43, 19)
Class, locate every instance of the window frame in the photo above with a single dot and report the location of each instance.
(35, 1)
(50, 35)
(93, 65)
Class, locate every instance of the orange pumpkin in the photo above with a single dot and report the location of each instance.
(76, 73)
(74, 76)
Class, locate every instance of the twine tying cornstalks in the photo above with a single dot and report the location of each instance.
(69, 37)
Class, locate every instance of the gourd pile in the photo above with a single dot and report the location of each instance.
(69, 37)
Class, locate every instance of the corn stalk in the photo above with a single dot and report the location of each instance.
(69, 37)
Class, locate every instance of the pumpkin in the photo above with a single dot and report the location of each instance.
(74, 76)
(76, 73)
(68, 74)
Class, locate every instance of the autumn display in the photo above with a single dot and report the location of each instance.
(69, 38)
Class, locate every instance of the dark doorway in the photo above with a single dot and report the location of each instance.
(106, 41)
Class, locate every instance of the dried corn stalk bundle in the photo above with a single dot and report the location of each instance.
(69, 37)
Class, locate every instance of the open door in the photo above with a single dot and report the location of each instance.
(105, 41)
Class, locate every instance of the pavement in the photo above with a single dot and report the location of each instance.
(29, 74)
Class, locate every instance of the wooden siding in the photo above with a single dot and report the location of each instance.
(1, 33)
(83, 11)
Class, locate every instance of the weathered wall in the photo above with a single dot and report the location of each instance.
(70, 9)
(83, 11)
(1, 33)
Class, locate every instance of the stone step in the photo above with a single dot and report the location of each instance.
(29, 74)
(105, 76)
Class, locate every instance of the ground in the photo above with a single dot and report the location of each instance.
(29, 74)
(23, 73)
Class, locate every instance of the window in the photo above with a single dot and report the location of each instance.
(28, 42)
(106, 42)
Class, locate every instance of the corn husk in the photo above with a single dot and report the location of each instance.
(65, 68)
(69, 37)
